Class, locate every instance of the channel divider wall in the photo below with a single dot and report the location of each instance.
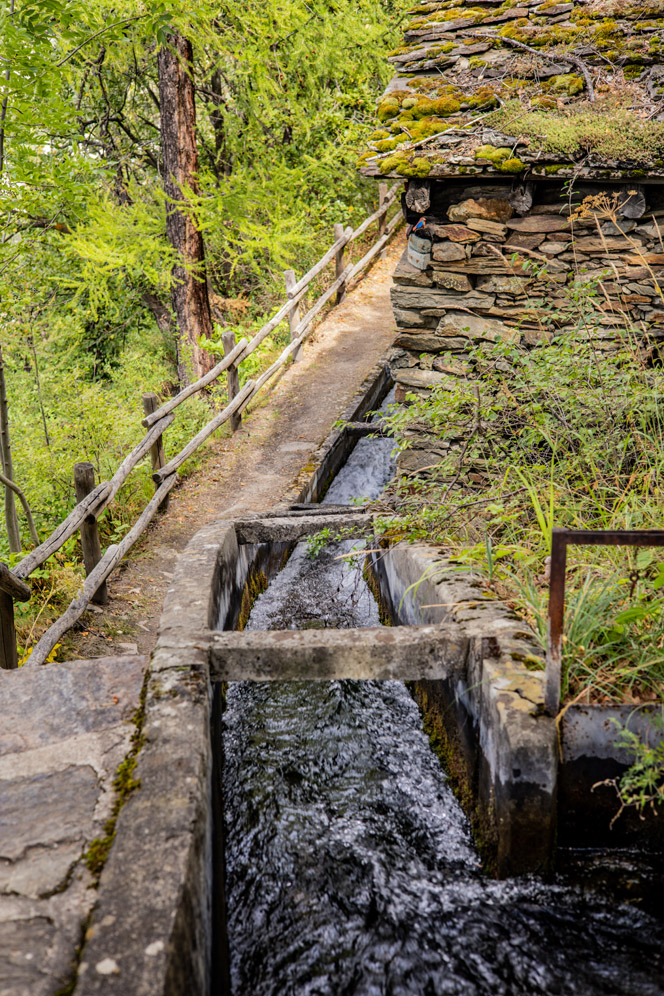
(486, 719)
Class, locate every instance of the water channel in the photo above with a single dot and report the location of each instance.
(350, 868)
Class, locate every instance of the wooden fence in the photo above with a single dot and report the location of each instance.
(94, 499)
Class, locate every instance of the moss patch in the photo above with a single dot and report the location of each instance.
(445, 743)
(405, 164)
(124, 783)
(608, 128)
(384, 610)
(256, 584)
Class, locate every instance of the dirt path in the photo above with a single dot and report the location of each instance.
(251, 470)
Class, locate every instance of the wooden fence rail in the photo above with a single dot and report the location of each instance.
(94, 504)
(83, 518)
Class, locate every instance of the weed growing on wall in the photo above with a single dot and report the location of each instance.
(561, 435)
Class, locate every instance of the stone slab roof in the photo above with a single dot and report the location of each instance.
(525, 87)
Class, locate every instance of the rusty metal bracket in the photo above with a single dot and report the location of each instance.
(561, 539)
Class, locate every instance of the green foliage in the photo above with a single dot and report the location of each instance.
(79, 412)
(280, 111)
(556, 436)
(642, 785)
(283, 91)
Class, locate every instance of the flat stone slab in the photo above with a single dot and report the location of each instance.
(289, 529)
(371, 654)
(64, 730)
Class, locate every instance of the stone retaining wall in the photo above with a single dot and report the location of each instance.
(471, 273)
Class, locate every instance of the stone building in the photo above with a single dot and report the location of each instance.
(530, 136)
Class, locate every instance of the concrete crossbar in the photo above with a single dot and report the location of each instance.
(290, 528)
(371, 654)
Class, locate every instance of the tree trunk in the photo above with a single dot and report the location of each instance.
(11, 519)
(160, 313)
(180, 162)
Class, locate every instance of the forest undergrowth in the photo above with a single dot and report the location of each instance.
(283, 92)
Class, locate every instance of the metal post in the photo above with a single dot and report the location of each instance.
(232, 379)
(339, 261)
(294, 316)
(157, 452)
(84, 482)
(554, 644)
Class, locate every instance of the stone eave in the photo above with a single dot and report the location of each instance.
(534, 172)
(543, 66)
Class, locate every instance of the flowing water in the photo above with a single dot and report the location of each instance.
(350, 868)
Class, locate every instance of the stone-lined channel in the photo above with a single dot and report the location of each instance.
(349, 865)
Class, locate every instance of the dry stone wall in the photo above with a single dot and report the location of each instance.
(495, 262)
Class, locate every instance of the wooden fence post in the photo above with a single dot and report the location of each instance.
(157, 454)
(84, 482)
(11, 588)
(232, 379)
(382, 222)
(8, 651)
(339, 262)
(294, 316)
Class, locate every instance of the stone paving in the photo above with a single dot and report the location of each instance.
(64, 730)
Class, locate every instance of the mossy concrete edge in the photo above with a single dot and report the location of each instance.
(488, 723)
(151, 928)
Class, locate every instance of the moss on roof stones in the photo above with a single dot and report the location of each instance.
(571, 88)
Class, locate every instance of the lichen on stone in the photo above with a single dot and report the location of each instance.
(469, 59)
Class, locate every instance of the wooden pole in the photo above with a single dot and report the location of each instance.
(84, 482)
(11, 519)
(11, 588)
(294, 317)
(232, 378)
(339, 262)
(382, 223)
(157, 454)
(26, 508)
(239, 402)
(111, 558)
(198, 385)
(8, 651)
